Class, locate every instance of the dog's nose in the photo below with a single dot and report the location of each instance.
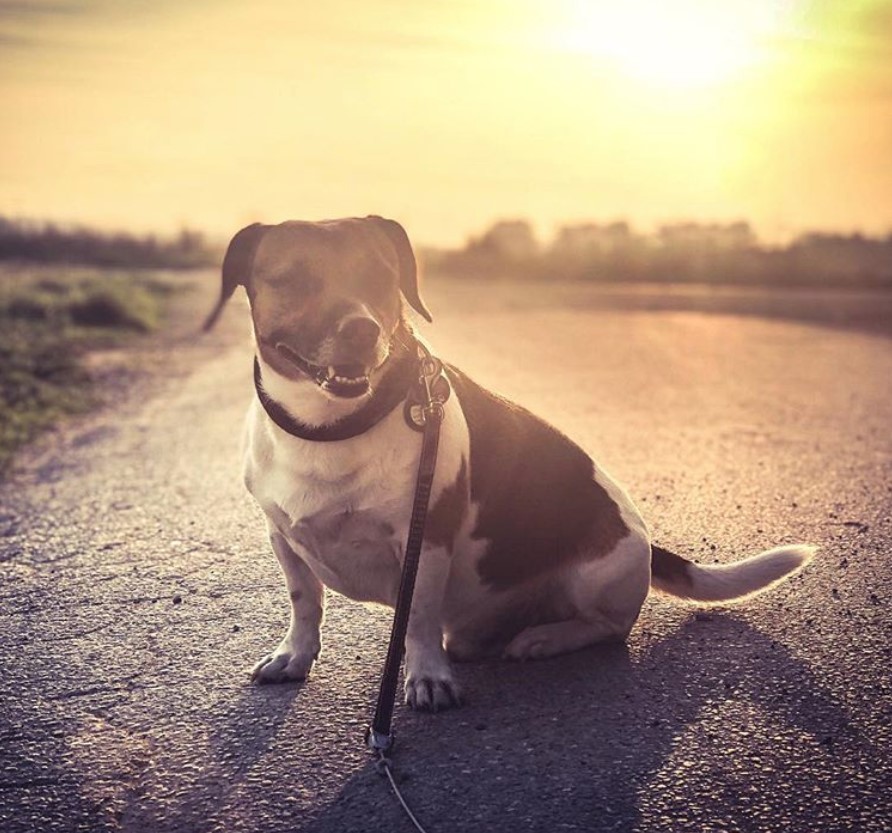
(359, 332)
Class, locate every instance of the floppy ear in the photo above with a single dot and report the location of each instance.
(237, 266)
(408, 269)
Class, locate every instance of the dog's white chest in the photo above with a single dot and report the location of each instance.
(355, 552)
(341, 516)
(352, 550)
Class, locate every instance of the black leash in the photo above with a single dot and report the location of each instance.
(427, 415)
(423, 411)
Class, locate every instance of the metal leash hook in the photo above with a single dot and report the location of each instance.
(429, 394)
(380, 744)
(424, 412)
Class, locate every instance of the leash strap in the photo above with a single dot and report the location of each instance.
(379, 737)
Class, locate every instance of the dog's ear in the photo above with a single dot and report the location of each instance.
(408, 268)
(237, 265)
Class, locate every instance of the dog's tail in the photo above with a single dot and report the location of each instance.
(720, 583)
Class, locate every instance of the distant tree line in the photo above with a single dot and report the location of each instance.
(688, 252)
(46, 242)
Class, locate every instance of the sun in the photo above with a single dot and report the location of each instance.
(680, 44)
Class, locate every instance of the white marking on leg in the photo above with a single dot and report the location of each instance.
(559, 638)
(429, 682)
(295, 654)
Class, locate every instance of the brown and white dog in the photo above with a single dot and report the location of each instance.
(530, 550)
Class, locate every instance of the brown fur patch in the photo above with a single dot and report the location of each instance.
(541, 507)
(670, 568)
(445, 517)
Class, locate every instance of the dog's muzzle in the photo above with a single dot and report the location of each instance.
(347, 380)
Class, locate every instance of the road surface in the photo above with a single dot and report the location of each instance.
(137, 589)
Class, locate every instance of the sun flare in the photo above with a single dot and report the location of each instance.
(673, 43)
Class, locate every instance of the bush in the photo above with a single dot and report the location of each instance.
(46, 324)
(103, 308)
(27, 308)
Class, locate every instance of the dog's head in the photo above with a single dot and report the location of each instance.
(326, 298)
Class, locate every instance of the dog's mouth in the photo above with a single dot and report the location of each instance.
(344, 380)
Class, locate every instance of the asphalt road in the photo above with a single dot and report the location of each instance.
(137, 590)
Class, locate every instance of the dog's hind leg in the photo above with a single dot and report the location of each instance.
(549, 640)
(605, 595)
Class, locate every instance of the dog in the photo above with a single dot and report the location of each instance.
(530, 549)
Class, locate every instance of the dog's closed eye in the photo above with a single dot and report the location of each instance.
(297, 283)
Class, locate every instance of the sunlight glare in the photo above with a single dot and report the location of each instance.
(680, 44)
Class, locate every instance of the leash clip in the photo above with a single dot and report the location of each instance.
(378, 741)
(381, 745)
(429, 394)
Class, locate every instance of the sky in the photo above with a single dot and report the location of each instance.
(152, 115)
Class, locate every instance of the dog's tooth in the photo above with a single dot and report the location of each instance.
(346, 380)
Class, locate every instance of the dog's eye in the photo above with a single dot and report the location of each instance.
(299, 284)
(308, 284)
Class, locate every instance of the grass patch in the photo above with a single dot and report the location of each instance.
(49, 318)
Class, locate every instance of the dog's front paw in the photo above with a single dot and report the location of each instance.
(285, 664)
(432, 692)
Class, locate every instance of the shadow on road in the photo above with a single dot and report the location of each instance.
(215, 790)
(591, 741)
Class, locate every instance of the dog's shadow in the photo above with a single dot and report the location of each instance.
(717, 726)
(718, 722)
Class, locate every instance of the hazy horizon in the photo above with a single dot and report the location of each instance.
(154, 116)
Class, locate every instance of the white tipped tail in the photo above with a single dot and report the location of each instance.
(721, 583)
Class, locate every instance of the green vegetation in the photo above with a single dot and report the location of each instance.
(49, 318)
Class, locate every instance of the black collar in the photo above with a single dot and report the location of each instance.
(398, 378)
